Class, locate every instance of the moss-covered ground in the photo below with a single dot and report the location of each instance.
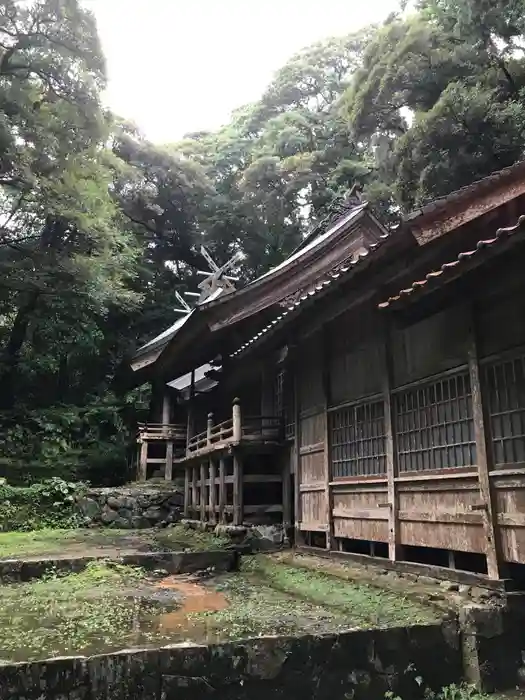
(104, 542)
(109, 607)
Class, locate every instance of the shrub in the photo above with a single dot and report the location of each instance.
(47, 504)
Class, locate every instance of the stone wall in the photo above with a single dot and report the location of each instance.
(359, 665)
(131, 507)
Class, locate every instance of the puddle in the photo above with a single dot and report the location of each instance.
(196, 598)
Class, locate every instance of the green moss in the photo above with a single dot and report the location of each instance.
(369, 605)
(105, 542)
(269, 597)
(110, 607)
(78, 613)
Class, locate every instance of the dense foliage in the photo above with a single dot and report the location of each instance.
(50, 504)
(99, 228)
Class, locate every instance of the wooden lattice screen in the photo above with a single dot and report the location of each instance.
(434, 425)
(504, 383)
(358, 442)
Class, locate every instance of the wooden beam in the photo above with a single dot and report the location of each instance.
(484, 455)
(203, 492)
(168, 472)
(298, 537)
(222, 490)
(187, 492)
(212, 495)
(238, 509)
(391, 449)
(142, 474)
(327, 455)
(286, 490)
(194, 497)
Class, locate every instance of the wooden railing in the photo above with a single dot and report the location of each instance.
(161, 431)
(235, 429)
(213, 435)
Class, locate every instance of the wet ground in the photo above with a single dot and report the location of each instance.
(103, 542)
(111, 607)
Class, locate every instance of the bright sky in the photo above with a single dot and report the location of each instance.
(177, 66)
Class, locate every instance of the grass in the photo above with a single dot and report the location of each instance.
(73, 614)
(109, 607)
(270, 597)
(104, 541)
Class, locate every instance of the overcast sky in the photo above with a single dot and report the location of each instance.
(183, 65)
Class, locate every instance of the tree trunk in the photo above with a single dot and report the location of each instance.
(10, 357)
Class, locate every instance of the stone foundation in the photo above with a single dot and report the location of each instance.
(131, 508)
(248, 538)
(359, 665)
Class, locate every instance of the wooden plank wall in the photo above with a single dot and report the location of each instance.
(456, 488)
(311, 512)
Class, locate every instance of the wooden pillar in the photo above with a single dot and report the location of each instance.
(298, 537)
(209, 428)
(222, 490)
(166, 409)
(237, 420)
(143, 462)
(194, 492)
(203, 499)
(483, 458)
(238, 506)
(168, 472)
(330, 539)
(391, 449)
(287, 496)
(187, 492)
(190, 426)
(212, 494)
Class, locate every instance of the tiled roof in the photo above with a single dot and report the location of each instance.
(448, 269)
(465, 192)
(320, 287)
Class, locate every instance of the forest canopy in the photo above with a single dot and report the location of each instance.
(100, 228)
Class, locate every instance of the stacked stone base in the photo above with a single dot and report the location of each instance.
(256, 538)
(131, 508)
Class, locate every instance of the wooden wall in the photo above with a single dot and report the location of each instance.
(414, 435)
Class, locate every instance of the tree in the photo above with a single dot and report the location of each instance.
(438, 98)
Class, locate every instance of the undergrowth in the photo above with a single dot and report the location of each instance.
(62, 615)
(50, 504)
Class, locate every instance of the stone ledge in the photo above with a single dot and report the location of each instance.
(17, 570)
(364, 664)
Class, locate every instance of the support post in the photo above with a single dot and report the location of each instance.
(209, 428)
(330, 539)
(391, 449)
(187, 492)
(168, 472)
(298, 537)
(222, 490)
(166, 409)
(286, 491)
(212, 494)
(484, 455)
(203, 500)
(143, 462)
(238, 506)
(194, 493)
(237, 420)
(189, 429)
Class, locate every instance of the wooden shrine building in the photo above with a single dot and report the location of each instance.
(369, 392)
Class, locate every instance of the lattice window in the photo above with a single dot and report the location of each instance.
(434, 425)
(358, 443)
(505, 392)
